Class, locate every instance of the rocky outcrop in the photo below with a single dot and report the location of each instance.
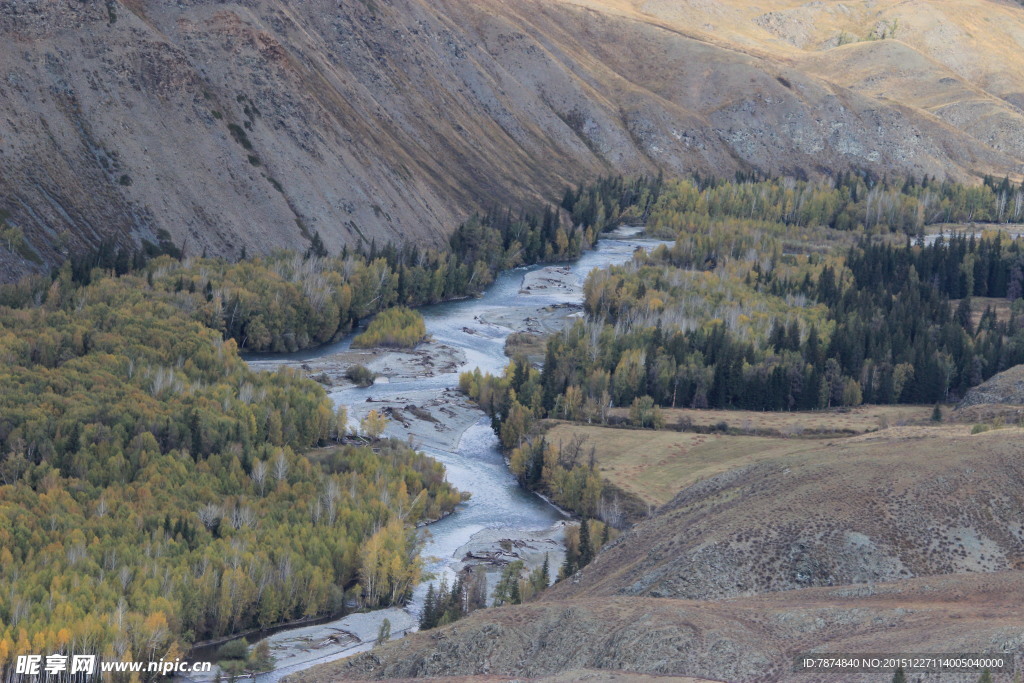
(1006, 388)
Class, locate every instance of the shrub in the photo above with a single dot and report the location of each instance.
(261, 659)
(361, 375)
(398, 327)
(238, 133)
(233, 649)
(643, 413)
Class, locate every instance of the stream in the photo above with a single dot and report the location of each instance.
(499, 509)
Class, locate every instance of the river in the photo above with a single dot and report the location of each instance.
(499, 508)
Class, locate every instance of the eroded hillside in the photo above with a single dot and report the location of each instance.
(250, 125)
(903, 540)
(904, 502)
(745, 639)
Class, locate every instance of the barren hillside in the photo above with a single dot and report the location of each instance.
(901, 503)
(252, 124)
(744, 639)
(904, 540)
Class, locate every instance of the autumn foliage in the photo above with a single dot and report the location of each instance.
(397, 327)
(155, 492)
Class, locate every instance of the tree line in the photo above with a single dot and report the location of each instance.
(849, 201)
(288, 301)
(880, 331)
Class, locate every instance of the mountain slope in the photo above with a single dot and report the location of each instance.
(905, 540)
(906, 502)
(738, 640)
(255, 123)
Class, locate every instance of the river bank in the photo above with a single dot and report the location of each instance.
(501, 522)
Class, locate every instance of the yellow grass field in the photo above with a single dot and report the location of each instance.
(656, 465)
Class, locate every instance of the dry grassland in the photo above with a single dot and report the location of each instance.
(656, 465)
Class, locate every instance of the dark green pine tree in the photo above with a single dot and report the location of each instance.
(568, 567)
(536, 469)
(547, 377)
(899, 676)
(793, 335)
(520, 374)
(986, 677)
(586, 549)
(545, 571)
(777, 337)
(937, 413)
(514, 596)
(827, 286)
(568, 199)
(427, 620)
(963, 315)
(812, 348)
(454, 609)
(604, 534)
(197, 435)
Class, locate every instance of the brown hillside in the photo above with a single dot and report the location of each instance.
(743, 639)
(907, 540)
(394, 120)
(656, 465)
(902, 503)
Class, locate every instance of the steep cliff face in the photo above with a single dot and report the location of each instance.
(255, 123)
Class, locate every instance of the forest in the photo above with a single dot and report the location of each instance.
(848, 202)
(155, 492)
(775, 295)
(289, 301)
